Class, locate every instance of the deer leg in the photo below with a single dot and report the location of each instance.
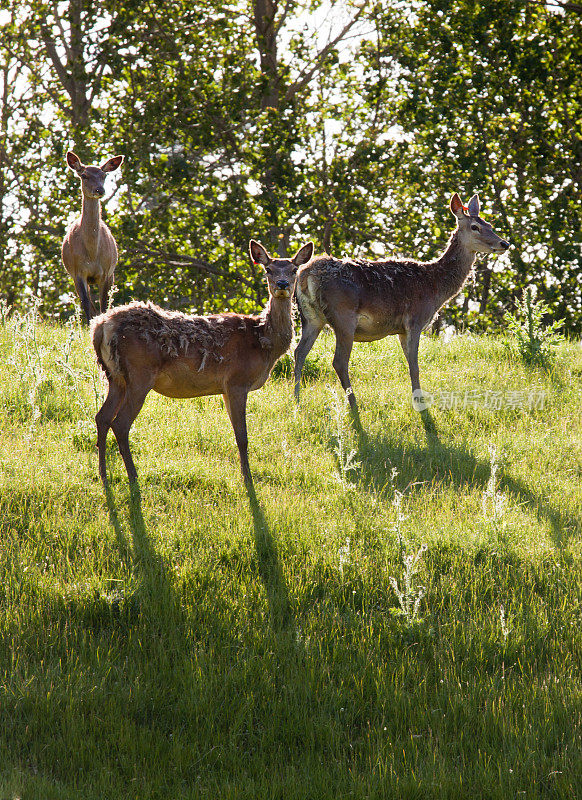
(85, 297)
(104, 418)
(104, 290)
(134, 400)
(344, 340)
(235, 400)
(410, 342)
(309, 333)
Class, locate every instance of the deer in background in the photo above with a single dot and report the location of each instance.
(89, 251)
(141, 347)
(367, 300)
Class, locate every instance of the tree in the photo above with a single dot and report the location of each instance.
(490, 101)
(237, 121)
(213, 117)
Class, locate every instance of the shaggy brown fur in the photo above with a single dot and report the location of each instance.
(142, 347)
(175, 334)
(367, 300)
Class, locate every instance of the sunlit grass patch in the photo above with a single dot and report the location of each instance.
(191, 639)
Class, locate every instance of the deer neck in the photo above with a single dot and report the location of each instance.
(277, 326)
(452, 269)
(90, 223)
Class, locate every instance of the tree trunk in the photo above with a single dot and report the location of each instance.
(485, 290)
(265, 11)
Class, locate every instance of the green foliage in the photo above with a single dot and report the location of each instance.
(313, 369)
(239, 121)
(483, 105)
(536, 340)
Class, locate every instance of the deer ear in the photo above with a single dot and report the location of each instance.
(258, 253)
(74, 162)
(473, 206)
(113, 164)
(457, 206)
(303, 255)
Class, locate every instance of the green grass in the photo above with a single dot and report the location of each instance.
(192, 641)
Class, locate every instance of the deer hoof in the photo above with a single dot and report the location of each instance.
(421, 400)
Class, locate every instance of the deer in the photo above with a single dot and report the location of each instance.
(141, 347)
(89, 251)
(363, 301)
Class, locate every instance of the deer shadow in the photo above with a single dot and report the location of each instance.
(155, 593)
(270, 566)
(450, 464)
(155, 585)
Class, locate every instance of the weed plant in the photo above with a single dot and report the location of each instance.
(536, 341)
(494, 500)
(410, 595)
(338, 413)
(313, 369)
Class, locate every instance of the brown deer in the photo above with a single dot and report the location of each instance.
(141, 347)
(89, 250)
(367, 300)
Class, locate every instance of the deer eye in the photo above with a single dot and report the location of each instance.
(475, 228)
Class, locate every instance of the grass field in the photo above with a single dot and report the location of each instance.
(400, 621)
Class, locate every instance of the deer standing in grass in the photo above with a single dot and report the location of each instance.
(89, 250)
(141, 347)
(367, 300)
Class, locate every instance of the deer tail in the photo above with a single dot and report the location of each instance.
(103, 335)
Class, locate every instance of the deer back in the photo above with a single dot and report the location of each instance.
(197, 355)
(386, 290)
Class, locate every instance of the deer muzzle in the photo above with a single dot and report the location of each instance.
(282, 288)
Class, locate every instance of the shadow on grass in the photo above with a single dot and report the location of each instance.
(439, 462)
(155, 584)
(156, 593)
(269, 566)
(150, 571)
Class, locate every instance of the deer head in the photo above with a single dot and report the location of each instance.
(93, 178)
(281, 272)
(476, 234)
